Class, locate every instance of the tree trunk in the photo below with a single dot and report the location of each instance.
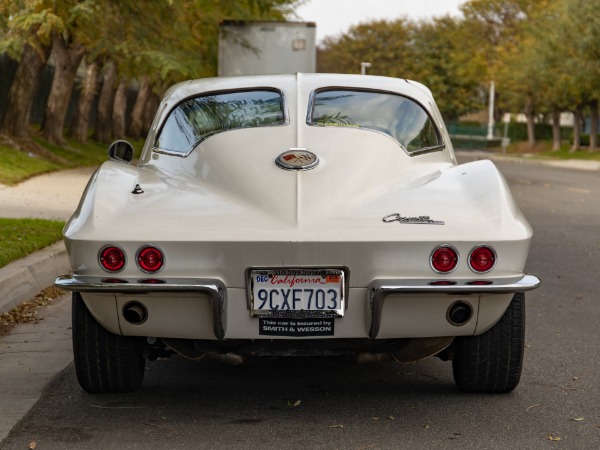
(120, 110)
(577, 114)
(594, 126)
(530, 114)
(103, 128)
(137, 115)
(67, 57)
(555, 130)
(81, 122)
(22, 92)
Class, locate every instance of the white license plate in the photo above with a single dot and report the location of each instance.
(299, 293)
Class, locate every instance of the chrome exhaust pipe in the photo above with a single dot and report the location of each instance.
(459, 313)
(135, 313)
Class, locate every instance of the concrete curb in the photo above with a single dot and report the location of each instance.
(23, 279)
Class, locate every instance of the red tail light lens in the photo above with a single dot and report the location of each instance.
(482, 259)
(112, 258)
(444, 259)
(150, 259)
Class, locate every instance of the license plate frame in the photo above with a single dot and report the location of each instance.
(298, 283)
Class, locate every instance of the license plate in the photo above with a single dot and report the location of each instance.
(297, 293)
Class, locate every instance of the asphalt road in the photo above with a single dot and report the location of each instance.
(323, 403)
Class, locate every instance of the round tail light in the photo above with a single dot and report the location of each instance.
(444, 259)
(150, 259)
(482, 259)
(112, 258)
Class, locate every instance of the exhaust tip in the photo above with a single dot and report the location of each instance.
(459, 313)
(135, 313)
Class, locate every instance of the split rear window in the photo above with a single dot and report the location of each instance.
(197, 118)
(399, 117)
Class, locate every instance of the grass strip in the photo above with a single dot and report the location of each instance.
(20, 237)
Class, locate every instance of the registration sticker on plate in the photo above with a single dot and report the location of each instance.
(297, 293)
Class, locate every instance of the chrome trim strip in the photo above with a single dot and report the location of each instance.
(214, 289)
(379, 289)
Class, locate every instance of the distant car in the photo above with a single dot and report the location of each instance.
(297, 215)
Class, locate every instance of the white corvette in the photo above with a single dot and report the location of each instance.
(297, 215)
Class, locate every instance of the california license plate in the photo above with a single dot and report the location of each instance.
(297, 293)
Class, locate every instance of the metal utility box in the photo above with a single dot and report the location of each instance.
(266, 47)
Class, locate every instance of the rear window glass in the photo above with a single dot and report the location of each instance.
(399, 117)
(197, 118)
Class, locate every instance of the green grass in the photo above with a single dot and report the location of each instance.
(565, 153)
(17, 166)
(20, 237)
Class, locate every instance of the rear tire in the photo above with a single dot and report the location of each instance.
(104, 362)
(492, 362)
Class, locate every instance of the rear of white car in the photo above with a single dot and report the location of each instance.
(298, 215)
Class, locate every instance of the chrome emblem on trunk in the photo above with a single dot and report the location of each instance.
(421, 220)
(297, 159)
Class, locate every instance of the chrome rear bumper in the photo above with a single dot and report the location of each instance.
(380, 289)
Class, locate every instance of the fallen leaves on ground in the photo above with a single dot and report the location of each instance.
(26, 312)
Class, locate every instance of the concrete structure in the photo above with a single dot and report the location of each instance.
(266, 47)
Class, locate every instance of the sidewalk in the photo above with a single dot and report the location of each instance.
(31, 354)
(50, 196)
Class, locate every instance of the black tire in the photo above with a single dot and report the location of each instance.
(104, 362)
(492, 362)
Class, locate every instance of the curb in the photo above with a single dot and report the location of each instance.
(24, 278)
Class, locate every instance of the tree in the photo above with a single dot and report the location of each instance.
(26, 38)
(446, 60)
(79, 126)
(385, 44)
(67, 53)
(103, 126)
(137, 39)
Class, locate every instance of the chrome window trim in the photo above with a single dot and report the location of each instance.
(436, 148)
(284, 109)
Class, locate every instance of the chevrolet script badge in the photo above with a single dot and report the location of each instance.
(297, 159)
(421, 220)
